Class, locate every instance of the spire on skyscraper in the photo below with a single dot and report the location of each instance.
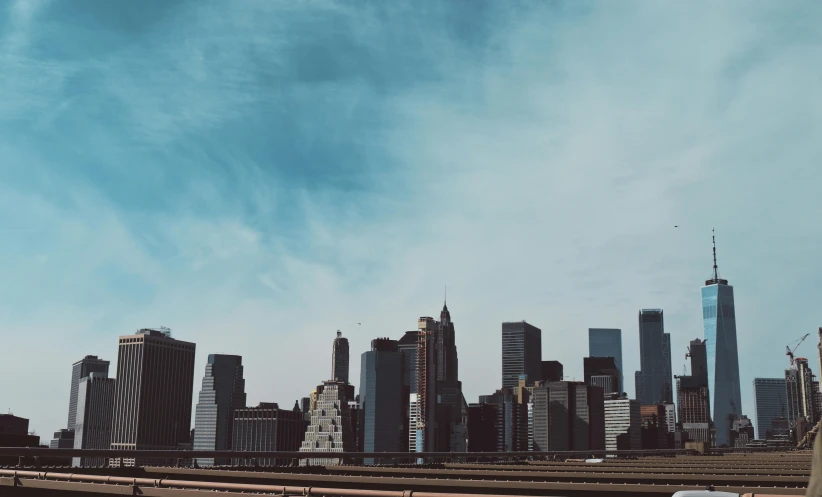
(716, 279)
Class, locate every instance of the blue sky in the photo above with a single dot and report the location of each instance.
(258, 174)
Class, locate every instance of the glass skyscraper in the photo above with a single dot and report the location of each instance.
(223, 392)
(607, 342)
(653, 381)
(381, 403)
(770, 401)
(719, 323)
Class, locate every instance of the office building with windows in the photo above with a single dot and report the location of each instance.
(654, 381)
(79, 370)
(339, 359)
(223, 391)
(381, 406)
(265, 428)
(770, 403)
(95, 403)
(623, 424)
(153, 394)
(521, 353)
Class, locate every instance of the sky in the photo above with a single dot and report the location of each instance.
(257, 175)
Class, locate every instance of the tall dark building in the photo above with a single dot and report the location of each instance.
(266, 428)
(800, 392)
(693, 396)
(407, 345)
(95, 402)
(654, 427)
(14, 432)
(79, 370)
(447, 366)
(223, 392)
(521, 353)
(770, 402)
(425, 412)
(381, 407)
(153, 393)
(339, 359)
(653, 381)
(551, 371)
(568, 415)
(602, 372)
(506, 422)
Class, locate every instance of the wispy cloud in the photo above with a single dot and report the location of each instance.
(261, 176)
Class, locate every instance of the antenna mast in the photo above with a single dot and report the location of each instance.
(713, 241)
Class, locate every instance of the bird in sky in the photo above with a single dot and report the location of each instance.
(676, 226)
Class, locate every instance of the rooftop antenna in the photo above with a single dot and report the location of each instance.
(713, 240)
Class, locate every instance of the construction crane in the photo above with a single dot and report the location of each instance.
(790, 351)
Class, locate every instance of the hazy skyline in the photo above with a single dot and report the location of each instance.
(256, 175)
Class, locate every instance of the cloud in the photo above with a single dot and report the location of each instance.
(257, 178)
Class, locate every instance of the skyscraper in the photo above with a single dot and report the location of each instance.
(223, 392)
(426, 398)
(719, 323)
(521, 353)
(623, 425)
(153, 393)
(693, 397)
(331, 428)
(770, 402)
(381, 407)
(800, 391)
(266, 428)
(95, 402)
(407, 345)
(607, 342)
(447, 367)
(79, 370)
(653, 381)
(339, 359)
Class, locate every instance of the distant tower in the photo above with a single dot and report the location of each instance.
(653, 382)
(719, 324)
(447, 369)
(381, 405)
(153, 393)
(521, 353)
(607, 342)
(95, 402)
(425, 410)
(339, 359)
(222, 393)
(79, 370)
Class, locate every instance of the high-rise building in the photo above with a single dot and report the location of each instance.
(95, 402)
(14, 432)
(339, 359)
(602, 372)
(265, 428)
(507, 430)
(381, 406)
(623, 422)
(800, 392)
(63, 439)
(693, 396)
(407, 345)
(770, 402)
(426, 404)
(447, 360)
(607, 342)
(551, 371)
(653, 381)
(153, 393)
(567, 415)
(521, 353)
(331, 428)
(719, 322)
(222, 392)
(79, 370)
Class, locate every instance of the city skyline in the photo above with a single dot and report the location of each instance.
(255, 186)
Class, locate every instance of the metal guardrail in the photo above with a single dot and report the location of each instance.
(230, 454)
(136, 484)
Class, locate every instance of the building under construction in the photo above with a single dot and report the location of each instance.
(693, 396)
